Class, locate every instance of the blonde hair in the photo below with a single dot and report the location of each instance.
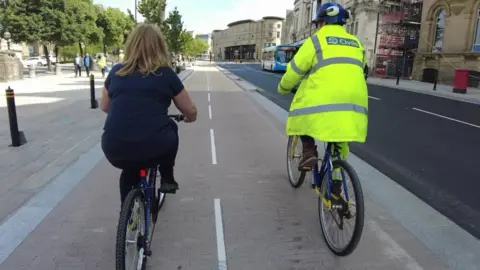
(145, 51)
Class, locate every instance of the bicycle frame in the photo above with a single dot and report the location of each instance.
(146, 187)
(327, 168)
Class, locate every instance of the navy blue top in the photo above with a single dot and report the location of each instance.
(139, 108)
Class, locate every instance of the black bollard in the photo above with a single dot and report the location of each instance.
(398, 77)
(93, 101)
(18, 137)
(435, 82)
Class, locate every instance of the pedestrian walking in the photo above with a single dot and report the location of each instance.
(87, 63)
(77, 62)
(102, 64)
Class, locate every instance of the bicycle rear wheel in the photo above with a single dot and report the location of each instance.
(294, 153)
(341, 216)
(131, 244)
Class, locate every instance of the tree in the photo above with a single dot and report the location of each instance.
(114, 24)
(36, 21)
(152, 10)
(193, 47)
(81, 26)
(173, 29)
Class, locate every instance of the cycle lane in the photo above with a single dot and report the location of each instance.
(267, 225)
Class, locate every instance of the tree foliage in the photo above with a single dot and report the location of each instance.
(114, 24)
(65, 23)
(193, 47)
(152, 10)
(73, 25)
(173, 30)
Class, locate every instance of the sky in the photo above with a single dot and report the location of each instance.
(203, 16)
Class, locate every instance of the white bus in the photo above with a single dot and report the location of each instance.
(276, 58)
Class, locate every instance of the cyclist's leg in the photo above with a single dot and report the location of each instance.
(129, 179)
(344, 150)
(166, 162)
(309, 157)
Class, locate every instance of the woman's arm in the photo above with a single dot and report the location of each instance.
(185, 105)
(105, 102)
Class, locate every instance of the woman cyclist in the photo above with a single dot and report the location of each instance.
(138, 133)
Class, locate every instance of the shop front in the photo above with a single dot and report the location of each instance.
(245, 52)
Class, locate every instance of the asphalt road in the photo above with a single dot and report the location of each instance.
(427, 144)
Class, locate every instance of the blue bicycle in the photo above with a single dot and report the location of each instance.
(138, 218)
(329, 204)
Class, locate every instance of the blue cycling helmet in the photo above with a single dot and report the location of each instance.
(332, 13)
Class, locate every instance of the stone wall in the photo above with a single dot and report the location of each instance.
(11, 67)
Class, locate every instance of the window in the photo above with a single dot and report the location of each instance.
(270, 34)
(355, 31)
(278, 34)
(439, 31)
(270, 26)
(476, 41)
(279, 25)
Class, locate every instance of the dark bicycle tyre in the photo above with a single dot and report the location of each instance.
(122, 227)
(295, 183)
(359, 213)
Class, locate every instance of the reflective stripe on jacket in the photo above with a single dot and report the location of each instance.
(331, 103)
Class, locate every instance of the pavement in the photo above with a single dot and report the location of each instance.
(234, 206)
(420, 138)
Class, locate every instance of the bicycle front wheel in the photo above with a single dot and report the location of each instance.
(294, 154)
(131, 244)
(342, 217)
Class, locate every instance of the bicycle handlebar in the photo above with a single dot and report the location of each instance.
(177, 117)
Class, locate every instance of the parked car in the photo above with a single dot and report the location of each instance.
(35, 61)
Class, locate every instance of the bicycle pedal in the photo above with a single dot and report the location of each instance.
(148, 252)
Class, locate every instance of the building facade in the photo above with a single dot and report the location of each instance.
(450, 39)
(246, 38)
(287, 27)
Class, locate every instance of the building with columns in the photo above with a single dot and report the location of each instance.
(246, 38)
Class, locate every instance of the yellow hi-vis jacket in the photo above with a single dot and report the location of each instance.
(331, 103)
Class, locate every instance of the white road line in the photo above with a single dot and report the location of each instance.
(221, 253)
(373, 98)
(445, 117)
(209, 111)
(208, 81)
(214, 150)
(208, 95)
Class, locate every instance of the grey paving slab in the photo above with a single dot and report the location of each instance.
(267, 225)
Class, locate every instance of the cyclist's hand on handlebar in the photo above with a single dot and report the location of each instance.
(187, 120)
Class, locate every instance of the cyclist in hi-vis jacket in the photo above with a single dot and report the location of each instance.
(331, 103)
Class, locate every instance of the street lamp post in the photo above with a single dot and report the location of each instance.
(7, 37)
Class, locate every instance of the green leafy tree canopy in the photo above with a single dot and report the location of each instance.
(173, 30)
(152, 10)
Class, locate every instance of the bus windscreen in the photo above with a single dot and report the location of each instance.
(286, 54)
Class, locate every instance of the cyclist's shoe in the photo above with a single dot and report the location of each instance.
(309, 158)
(168, 186)
(337, 188)
(337, 199)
